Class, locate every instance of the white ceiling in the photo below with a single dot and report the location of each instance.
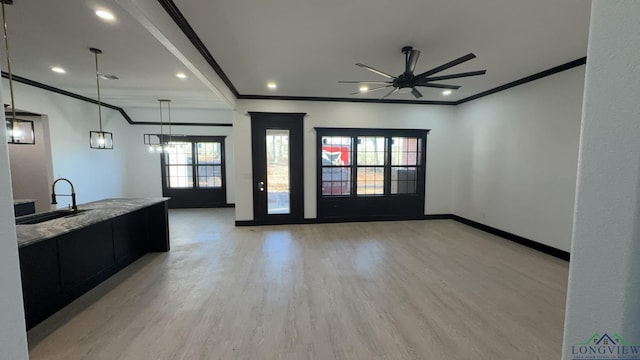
(308, 46)
(305, 46)
(59, 33)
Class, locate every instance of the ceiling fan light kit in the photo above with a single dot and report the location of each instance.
(408, 82)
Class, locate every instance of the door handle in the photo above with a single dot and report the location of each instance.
(261, 186)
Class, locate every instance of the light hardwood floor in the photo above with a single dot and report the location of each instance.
(382, 290)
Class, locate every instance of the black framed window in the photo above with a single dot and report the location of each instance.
(193, 164)
(178, 162)
(193, 171)
(336, 165)
(406, 163)
(380, 164)
(371, 173)
(208, 170)
(371, 154)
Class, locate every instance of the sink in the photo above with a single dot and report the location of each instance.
(46, 216)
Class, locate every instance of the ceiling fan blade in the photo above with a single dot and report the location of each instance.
(416, 93)
(390, 93)
(370, 90)
(443, 67)
(439, 86)
(365, 82)
(412, 60)
(382, 73)
(380, 88)
(455, 76)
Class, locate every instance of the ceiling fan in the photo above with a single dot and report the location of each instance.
(408, 80)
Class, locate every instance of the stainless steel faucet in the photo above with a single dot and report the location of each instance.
(73, 194)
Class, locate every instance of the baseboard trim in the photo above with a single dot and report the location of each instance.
(205, 206)
(549, 250)
(329, 221)
(438, 217)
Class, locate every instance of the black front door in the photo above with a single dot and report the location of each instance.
(277, 167)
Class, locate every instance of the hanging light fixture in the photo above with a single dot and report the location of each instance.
(159, 142)
(19, 131)
(99, 139)
(154, 141)
(168, 144)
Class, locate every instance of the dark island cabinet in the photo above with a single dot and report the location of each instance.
(86, 257)
(41, 287)
(128, 231)
(57, 271)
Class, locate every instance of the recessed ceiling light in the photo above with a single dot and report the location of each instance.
(105, 15)
(181, 75)
(58, 70)
(446, 92)
(364, 88)
(272, 85)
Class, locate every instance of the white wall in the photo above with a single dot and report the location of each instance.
(142, 175)
(604, 286)
(31, 166)
(96, 174)
(440, 119)
(126, 171)
(13, 338)
(516, 158)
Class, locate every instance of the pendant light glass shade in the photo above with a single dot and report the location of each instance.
(18, 131)
(99, 139)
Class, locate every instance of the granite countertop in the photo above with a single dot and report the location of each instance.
(96, 211)
(22, 201)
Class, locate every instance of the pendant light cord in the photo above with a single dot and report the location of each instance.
(6, 46)
(161, 125)
(169, 109)
(161, 101)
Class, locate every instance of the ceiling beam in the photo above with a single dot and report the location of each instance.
(161, 25)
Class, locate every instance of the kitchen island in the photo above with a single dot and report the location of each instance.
(63, 258)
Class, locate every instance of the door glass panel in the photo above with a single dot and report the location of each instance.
(278, 201)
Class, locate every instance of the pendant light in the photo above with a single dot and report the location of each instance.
(19, 131)
(159, 142)
(99, 139)
(168, 144)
